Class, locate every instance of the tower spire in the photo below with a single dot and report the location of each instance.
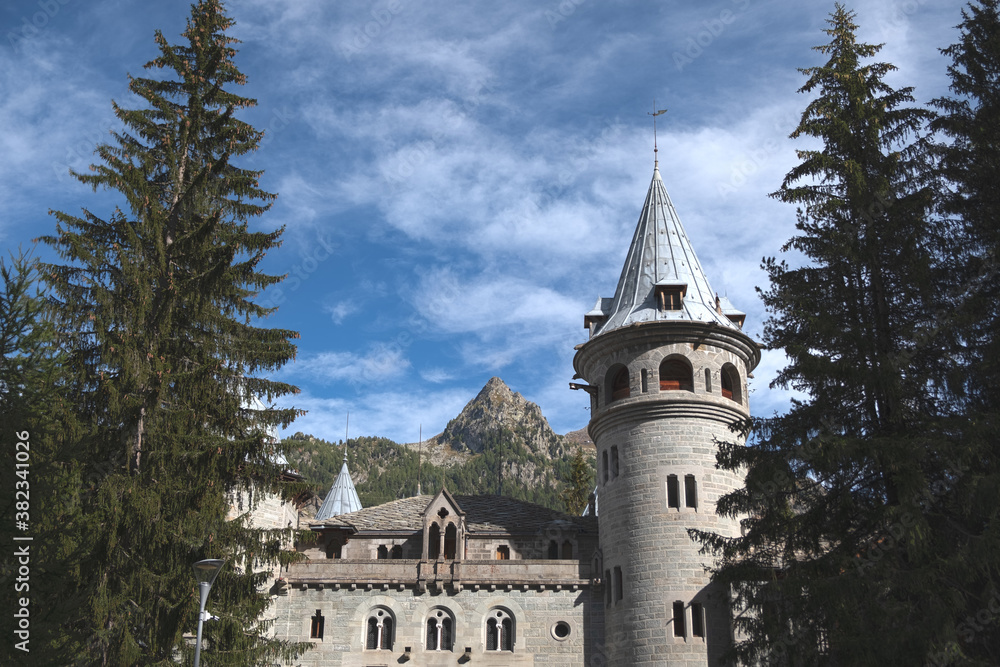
(656, 162)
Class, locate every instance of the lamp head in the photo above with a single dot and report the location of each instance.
(207, 570)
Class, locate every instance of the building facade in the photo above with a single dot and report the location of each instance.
(443, 580)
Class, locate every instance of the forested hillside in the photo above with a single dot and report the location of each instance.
(383, 470)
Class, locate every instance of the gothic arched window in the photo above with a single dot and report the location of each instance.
(731, 385)
(675, 375)
(383, 552)
(440, 630)
(396, 553)
(378, 630)
(499, 630)
(433, 541)
(617, 385)
(450, 541)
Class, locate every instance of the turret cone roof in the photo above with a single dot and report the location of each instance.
(661, 256)
(342, 498)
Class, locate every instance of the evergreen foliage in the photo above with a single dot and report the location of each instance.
(165, 359)
(579, 484)
(968, 525)
(843, 494)
(39, 430)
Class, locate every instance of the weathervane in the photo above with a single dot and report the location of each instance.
(654, 115)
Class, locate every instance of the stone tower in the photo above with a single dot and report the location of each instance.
(667, 363)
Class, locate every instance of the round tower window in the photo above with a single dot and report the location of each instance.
(561, 630)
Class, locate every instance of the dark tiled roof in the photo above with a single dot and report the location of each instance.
(488, 514)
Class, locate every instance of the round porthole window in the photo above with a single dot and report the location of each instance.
(561, 630)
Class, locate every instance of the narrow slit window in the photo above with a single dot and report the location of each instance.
(645, 380)
(619, 593)
(607, 587)
(690, 491)
(697, 620)
(708, 380)
(614, 461)
(679, 629)
(316, 628)
(673, 492)
(604, 465)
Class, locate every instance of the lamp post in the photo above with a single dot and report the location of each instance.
(205, 571)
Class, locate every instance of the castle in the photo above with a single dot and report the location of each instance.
(444, 580)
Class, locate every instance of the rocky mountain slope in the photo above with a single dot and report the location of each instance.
(495, 409)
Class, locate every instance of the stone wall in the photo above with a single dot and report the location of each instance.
(535, 613)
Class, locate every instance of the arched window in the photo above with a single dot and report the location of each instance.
(617, 386)
(731, 385)
(499, 630)
(434, 541)
(553, 550)
(383, 552)
(440, 630)
(675, 375)
(333, 550)
(378, 630)
(503, 552)
(396, 553)
(567, 550)
(450, 541)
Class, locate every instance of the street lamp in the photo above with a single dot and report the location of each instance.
(205, 571)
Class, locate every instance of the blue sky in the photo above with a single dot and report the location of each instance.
(460, 181)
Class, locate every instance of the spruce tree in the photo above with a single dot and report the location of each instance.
(167, 360)
(38, 431)
(968, 534)
(579, 485)
(836, 565)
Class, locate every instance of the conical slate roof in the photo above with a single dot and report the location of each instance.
(660, 255)
(342, 499)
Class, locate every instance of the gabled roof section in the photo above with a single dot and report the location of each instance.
(342, 498)
(444, 499)
(483, 514)
(660, 261)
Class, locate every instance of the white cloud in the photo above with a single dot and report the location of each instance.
(382, 361)
(338, 311)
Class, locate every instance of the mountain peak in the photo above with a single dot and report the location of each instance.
(497, 408)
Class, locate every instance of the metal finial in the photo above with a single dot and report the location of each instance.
(347, 428)
(656, 162)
